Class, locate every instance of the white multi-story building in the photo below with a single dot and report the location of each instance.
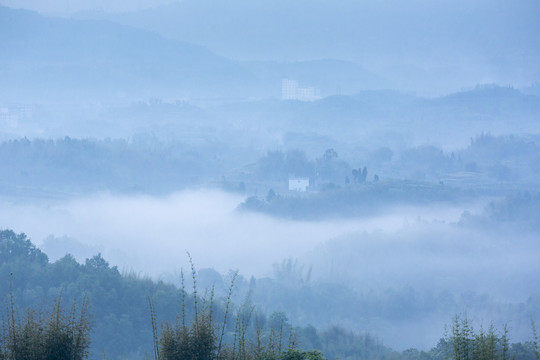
(291, 91)
(307, 94)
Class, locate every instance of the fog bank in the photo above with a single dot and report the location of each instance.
(150, 235)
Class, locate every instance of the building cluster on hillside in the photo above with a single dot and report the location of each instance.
(290, 90)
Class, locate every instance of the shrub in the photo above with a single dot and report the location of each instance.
(40, 336)
(203, 338)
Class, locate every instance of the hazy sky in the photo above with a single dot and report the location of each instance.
(424, 47)
(70, 6)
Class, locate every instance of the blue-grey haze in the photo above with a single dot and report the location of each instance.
(140, 130)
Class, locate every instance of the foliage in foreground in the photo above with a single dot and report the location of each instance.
(40, 336)
(464, 343)
(121, 326)
(204, 338)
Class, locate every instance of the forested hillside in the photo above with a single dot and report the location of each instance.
(121, 317)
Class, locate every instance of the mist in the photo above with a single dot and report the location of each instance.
(150, 235)
(61, 7)
(371, 169)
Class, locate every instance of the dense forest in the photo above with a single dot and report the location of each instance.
(123, 323)
(63, 167)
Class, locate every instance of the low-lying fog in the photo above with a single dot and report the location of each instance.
(149, 235)
(425, 249)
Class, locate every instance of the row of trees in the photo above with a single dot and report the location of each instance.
(123, 324)
(76, 165)
(40, 336)
(464, 343)
(209, 326)
(91, 165)
(202, 336)
(491, 158)
(352, 201)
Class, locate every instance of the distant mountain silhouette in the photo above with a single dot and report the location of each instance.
(53, 58)
(432, 47)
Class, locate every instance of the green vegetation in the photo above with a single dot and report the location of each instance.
(367, 180)
(122, 321)
(202, 337)
(362, 199)
(118, 303)
(80, 165)
(207, 325)
(520, 211)
(39, 336)
(464, 343)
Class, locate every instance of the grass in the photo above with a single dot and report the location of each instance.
(37, 335)
(234, 337)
